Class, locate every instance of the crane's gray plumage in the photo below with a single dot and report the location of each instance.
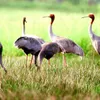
(94, 38)
(29, 46)
(67, 45)
(29, 43)
(48, 50)
(40, 40)
(1, 49)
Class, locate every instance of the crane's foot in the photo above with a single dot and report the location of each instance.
(38, 68)
(5, 71)
(30, 66)
(49, 63)
(65, 65)
(4, 68)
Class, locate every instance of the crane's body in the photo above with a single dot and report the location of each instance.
(28, 44)
(67, 45)
(48, 51)
(1, 49)
(94, 38)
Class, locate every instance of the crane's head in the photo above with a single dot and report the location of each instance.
(24, 20)
(91, 15)
(52, 16)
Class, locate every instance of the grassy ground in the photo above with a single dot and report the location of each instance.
(79, 80)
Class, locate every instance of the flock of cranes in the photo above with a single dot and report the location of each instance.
(38, 48)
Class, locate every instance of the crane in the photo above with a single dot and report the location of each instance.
(28, 44)
(40, 40)
(1, 49)
(66, 45)
(94, 38)
(47, 51)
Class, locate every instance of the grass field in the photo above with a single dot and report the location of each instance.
(79, 80)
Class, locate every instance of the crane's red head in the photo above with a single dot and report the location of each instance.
(24, 20)
(52, 16)
(91, 15)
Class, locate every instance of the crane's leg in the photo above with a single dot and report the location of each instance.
(49, 62)
(3, 68)
(31, 61)
(64, 60)
(26, 59)
(2, 64)
(35, 59)
(38, 67)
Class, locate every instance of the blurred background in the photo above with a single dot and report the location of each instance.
(51, 4)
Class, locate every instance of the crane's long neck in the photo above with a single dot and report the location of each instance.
(91, 32)
(51, 34)
(23, 29)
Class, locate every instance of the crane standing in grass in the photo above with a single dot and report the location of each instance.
(94, 38)
(66, 45)
(41, 41)
(47, 51)
(28, 44)
(1, 49)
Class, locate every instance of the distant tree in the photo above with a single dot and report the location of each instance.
(91, 2)
(30, 0)
(59, 1)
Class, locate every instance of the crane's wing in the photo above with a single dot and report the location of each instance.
(40, 40)
(97, 46)
(28, 42)
(66, 44)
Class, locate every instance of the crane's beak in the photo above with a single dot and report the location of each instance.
(84, 17)
(45, 16)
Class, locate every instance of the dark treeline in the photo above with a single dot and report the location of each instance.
(89, 2)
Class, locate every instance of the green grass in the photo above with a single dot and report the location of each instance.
(79, 80)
